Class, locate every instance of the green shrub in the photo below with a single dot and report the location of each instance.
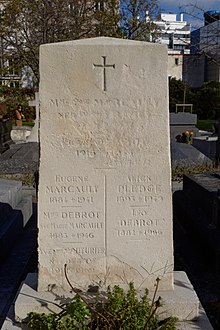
(120, 311)
(11, 97)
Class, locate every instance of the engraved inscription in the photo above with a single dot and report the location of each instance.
(104, 66)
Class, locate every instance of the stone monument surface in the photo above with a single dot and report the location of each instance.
(105, 188)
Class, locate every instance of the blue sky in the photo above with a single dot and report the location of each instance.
(194, 8)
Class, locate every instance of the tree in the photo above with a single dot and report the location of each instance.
(27, 24)
(207, 100)
(179, 92)
(137, 19)
(205, 42)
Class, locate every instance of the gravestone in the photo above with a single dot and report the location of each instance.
(105, 189)
(34, 136)
(5, 138)
(197, 208)
(181, 122)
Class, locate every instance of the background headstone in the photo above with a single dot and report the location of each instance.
(34, 136)
(105, 188)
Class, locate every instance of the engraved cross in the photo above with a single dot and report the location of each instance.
(104, 66)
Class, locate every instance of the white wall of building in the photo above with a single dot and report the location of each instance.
(174, 33)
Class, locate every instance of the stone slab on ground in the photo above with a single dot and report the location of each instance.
(181, 302)
(177, 185)
(34, 136)
(11, 228)
(185, 155)
(184, 303)
(21, 163)
(202, 323)
(10, 192)
(204, 190)
(20, 159)
(19, 134)
(206, 145)
(25, 206)
(196, 223)
(21, 260)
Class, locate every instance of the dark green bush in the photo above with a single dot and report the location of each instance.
(11, 97)
(120, 311)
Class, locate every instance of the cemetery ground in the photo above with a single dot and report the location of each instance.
(104, 197)
(189, 256)
(195, 261)
(187, 252)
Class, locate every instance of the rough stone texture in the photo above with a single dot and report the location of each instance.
(10, 192)
(5, 139)
(19, 134)
(11, 227)
(185, 155)
(183, 119)
(105, 187)
(20, 163)
(206, 145)
(20, 260)
(182, 302)
(25, 206)
(204, 190)
(34, 136)
(197, 208)
(202, 323)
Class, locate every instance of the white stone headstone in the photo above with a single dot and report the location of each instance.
(34, 136)
(105, 185)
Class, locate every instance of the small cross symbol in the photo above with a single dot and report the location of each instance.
(104, 66)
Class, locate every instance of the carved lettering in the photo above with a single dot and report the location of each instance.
(126, 188)
(69, 178)
(138, 222)
(71, 189)
(90, 250)
(138, 179)
(85, 153)
(80, 215)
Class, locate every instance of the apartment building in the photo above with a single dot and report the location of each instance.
(205, 50)
(175, 33)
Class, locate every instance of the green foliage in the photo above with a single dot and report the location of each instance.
(11, 97)
(121, 311)
(208, 100)
(74, 315)
(179, 92)
(27, 24)
(206, 124)
(205, 100)
(179, 172)
(137, 19)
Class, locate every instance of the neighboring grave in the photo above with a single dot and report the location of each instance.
(34, 136)
(197, 208)
(105, 187)
(5, 138)
(206, 145)
(181, 122)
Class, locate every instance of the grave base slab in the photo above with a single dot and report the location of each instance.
(182, 303)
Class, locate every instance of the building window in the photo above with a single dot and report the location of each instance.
(176, 61)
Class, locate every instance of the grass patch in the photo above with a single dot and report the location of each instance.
(24, 123)
(206, 124)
